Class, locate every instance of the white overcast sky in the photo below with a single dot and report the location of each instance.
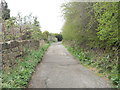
(47, 11)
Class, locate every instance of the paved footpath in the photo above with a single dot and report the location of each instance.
(59, 69)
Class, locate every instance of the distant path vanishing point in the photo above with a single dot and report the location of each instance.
(59, 69)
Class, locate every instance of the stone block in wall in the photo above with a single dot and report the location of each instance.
(1, 35)
(1, 46)
(14, 49)
(13, 44)
(6, 51)
(28, 44)
(24, 43)
(21, 49)
(11, 58)
(4, 46)
(5, 60)
(1, 63)
(9, 44)
(17, 54)
(41, 43)
(34, 44)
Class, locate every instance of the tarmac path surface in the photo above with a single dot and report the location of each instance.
(59, 69)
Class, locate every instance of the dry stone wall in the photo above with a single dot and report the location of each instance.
(11, 50)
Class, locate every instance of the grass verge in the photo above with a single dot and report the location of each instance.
(20, 75)
(102, 65)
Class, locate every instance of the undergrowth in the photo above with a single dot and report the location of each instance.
(20, 75)
(103, 64)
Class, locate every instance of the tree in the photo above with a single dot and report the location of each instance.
(58, 36)
(5, 10)
(80, 23)
(107, 16)
(36, 32)
(45, 35)
(91, 24)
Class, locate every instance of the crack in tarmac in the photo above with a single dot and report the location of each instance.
(46, 85)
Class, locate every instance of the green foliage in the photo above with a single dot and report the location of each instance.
(58, 36)
(81, 24)
(45, 35)
(91, 24)
(103, 64)
(9, 24)
(19, 76)
(5, 10)
(22, 27)
(107, 16)
(37, 35)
